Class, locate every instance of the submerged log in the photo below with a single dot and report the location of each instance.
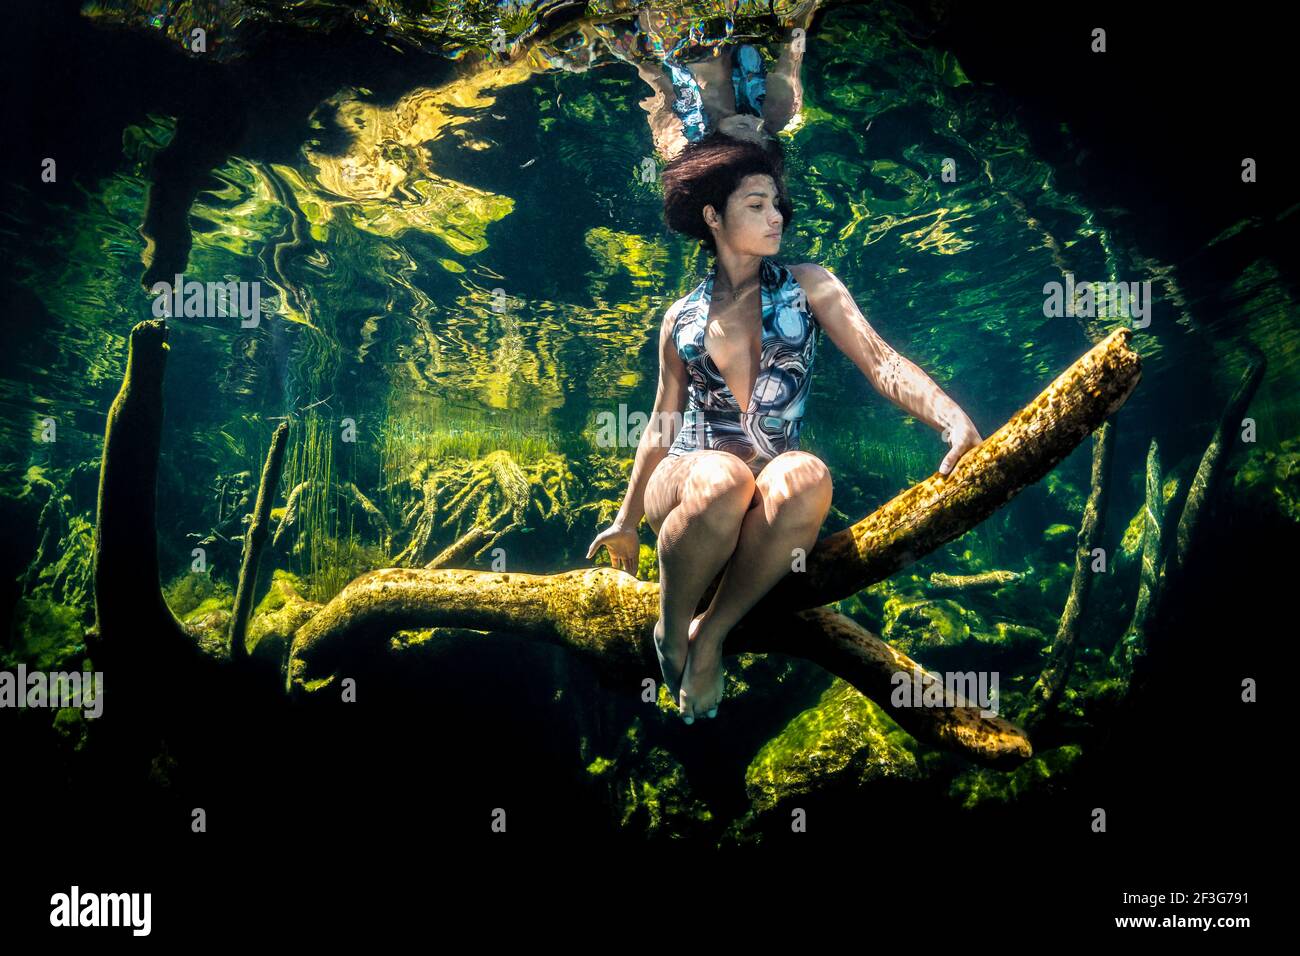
(1046, 692)
(940, 509)
(1153, 521)
(605, 614)
(844, 647)
(1140, 642)
(609, 615)
(255, 540)
(598, 613)
(940, 583)
(135, 634)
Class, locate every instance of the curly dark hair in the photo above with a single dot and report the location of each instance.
(706, 174)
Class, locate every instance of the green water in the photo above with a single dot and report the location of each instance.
(473, 271)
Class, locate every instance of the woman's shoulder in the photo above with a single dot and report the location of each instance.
(816, 285)
(817, 282)
(808, 274)
(674, 310)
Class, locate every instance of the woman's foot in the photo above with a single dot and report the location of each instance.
(672, 658)
(703, 681)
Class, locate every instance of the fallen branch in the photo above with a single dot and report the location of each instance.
(1201, 491)
(609, 615)
(940, 583)
(1046, 692)
(601, 613)
(1153, 520)
(254, 540)
(940, 509)
(842, 646)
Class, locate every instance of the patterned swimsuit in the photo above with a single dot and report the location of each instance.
(713, 418)
(748, 84)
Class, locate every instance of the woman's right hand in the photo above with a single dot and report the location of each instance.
(623, 544)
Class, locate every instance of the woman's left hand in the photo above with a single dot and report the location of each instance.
(963, 437)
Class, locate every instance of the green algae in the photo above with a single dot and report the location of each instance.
(1042, 775)
(844, 739)
(46, 635)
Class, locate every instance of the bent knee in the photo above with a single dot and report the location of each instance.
(797, 484)
(797, 472)
(719, 477)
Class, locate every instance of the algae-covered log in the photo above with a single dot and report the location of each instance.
(603, 614)
(940, 583)
(845, 648)
(1138, 643)
(930, 514)
(1046, 692)
(596, 612)
(135, 633)
(609, 615)
(255, 540)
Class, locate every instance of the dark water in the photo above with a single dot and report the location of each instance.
(464, 262)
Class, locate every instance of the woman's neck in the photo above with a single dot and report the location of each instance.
(735, 270)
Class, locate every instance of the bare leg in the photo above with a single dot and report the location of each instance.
(784, 87)
(696, 538)
(795, 494)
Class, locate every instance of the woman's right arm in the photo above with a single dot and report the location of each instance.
(657, 437)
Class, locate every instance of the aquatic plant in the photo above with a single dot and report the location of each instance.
(490, 493)
(60, 570)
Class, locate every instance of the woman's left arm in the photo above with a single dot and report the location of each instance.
(892, 375)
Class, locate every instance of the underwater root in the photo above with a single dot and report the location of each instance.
(940, 583)
(1132, 655)
(1046, 692)
(255, 540)
(608, 616)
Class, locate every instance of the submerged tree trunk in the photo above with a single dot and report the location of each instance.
(1153, 521)
(1046, 692)
(608, 615)
(132, 621)
(254, 540)
(1140, 642)
(940, 509)
(940, 583)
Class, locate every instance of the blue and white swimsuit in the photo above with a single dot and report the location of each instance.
(770, 425)
(748, 83)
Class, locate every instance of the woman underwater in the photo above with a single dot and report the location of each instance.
(728, 90)
(731, 487)
(699, 84)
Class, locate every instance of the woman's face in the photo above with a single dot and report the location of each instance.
(752, 224)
